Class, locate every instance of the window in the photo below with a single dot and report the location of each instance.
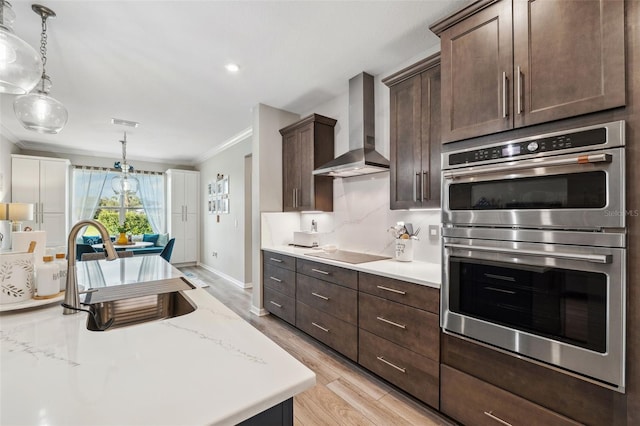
(94, 197)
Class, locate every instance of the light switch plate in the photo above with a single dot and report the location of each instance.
(434, 232)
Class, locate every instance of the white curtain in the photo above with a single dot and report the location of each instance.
(88, 184)
(151, 190)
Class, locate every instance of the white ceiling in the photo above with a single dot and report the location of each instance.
(161, 63)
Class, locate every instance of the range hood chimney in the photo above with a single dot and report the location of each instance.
(362, 157)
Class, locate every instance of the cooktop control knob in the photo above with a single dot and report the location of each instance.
(532, 146)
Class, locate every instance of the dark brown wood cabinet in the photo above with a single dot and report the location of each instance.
(509, 64)
(279, 279)
(397, 340)
(306, 145)
(474, 402)
(415, 135)
(327, 305)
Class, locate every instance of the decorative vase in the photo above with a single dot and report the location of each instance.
(122, 238)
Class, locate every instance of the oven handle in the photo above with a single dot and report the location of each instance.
(543, 162)
(594, 258)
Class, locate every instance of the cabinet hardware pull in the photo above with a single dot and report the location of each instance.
(275, 279)
(497, 419)
(404, 370)
(519, 82)
(418, 190)
(504, 94)
(393, 290)
(294, 198)
(320, 272)
(320, 296)
(275, 260)
(425, 186)
(404, 327)
(42, 213)
(326, 330)
(274, 303)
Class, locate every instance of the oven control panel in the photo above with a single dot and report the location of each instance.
(516, 149)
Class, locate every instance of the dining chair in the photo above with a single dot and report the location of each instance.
(83, 249)
(103, 255)
(168, 249)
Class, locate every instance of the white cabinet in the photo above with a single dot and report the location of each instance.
(183, 195)
(43, 182)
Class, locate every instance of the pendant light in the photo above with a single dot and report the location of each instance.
(20, 65)
(125, 184)
(37, 110)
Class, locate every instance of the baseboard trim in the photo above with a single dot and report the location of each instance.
(225, 276)
(258, 311)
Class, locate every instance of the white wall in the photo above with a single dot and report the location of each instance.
(224, 234)
(266, 181)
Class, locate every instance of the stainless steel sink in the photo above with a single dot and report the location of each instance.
(120, 306)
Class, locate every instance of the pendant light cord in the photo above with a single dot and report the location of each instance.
(43, 45)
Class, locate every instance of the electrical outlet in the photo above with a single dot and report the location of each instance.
(434, 232)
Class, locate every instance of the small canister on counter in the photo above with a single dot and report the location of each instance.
(61, 261)
(47, 277)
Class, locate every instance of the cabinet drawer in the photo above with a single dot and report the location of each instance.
(280, 305)
(411, 372)
(341, 302)
(418, 296)
(337, 334)
(280, 279)
(334, 274)
(474, 402)
(408, 327)
(277, 259)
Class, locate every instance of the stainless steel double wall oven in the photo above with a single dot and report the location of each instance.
(534, 249)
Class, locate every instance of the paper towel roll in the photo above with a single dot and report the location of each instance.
(20, 242)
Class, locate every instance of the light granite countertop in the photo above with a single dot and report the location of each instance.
(417, 272)
(206, 367)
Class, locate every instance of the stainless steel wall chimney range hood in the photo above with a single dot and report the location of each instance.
(362, 157)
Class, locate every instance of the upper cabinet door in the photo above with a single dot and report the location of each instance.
(176, 194)
(25, 182)
(306, 188)
(477, 64)
(406, 149)
(191, 192)
(290, 171)
(568, 58)
(53, 186)
(431, 146)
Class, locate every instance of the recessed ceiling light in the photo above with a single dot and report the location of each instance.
(121, 122)
(232, 68)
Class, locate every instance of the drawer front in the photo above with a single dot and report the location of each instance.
(474, 402)
(280, 279)
(280, 305)
(337, 334)
(411, 372)
(409, 327)
(418, 296)
(341, 302)
(334, 274)
(277, 259)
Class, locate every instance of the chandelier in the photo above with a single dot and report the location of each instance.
(125, 183)
(20, 65)
(38, 111)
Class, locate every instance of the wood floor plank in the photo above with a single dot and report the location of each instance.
(370, 408)
(345, 393)
(328, 408)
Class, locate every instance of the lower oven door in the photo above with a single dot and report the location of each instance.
(557, 304)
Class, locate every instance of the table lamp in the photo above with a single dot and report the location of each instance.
(17, 212)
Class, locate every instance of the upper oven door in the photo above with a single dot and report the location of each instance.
(570, 191)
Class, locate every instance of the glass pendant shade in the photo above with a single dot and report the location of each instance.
(40, 112)
(124, 184)
(20, 64)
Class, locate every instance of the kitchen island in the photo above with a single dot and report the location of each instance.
(205, 367)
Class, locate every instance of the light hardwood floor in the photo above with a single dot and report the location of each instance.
(344, 394)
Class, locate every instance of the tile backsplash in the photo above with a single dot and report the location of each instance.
(359, 222)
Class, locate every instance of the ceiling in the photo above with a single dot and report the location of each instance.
(161, 63)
